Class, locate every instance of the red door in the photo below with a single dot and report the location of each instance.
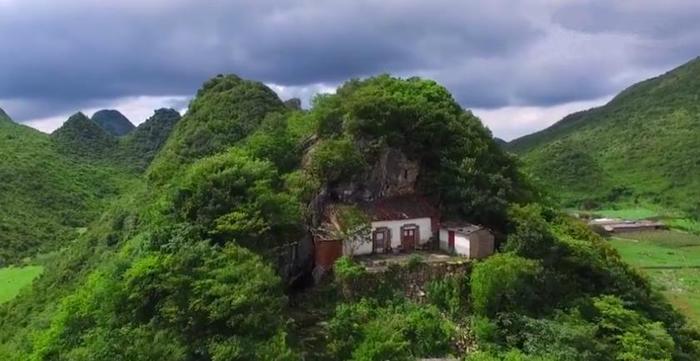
(408, 239)
(451, 240)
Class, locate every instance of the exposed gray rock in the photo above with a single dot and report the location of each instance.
(392, 174)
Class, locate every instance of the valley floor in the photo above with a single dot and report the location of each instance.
(672, 261)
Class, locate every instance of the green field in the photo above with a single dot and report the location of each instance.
(13, 279)
(627, 213)
(672, 261)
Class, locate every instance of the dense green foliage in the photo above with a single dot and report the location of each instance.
(163, 274)
(581, 302)
(84, 139)
(46, 195)
(226, 110)
(188, 264)
(367, 331)
(140, 146)
(113, 122)
(641, 148)
(461, 164)
(81, 137)
(506, 281)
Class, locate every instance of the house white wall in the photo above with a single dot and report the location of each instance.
(463, 243)
(424, 230)
(363, 248)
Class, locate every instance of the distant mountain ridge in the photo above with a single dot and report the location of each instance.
(4, 116)
(139, 147)
(113, 122)
(46, 195)
(84, 138)
(641, 147)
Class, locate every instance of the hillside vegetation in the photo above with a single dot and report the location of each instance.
(113, 122)
(641, 148)
(48, 196)
(184, 266)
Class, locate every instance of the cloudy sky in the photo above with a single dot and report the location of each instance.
(520, 65)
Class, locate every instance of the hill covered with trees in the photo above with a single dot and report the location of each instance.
(48, 196)
(640, 148)
(186, 266)
(113, 122)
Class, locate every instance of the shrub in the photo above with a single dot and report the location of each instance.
(450, 295)
(504, 282)
(401, 331)
(347, 270)
(332, 160)
(414, 262)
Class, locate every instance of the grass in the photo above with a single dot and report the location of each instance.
(13, 279)
(672, 260)
(627, 213)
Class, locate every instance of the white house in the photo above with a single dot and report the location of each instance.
(404, 222)
(466, 240)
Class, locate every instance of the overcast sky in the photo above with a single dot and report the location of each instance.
(520, 65)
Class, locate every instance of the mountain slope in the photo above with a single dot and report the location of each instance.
(45, 195)
(113, 122)
(138, 148)
(225, 110)
(188, 268)
(81, 136)
(643, 146)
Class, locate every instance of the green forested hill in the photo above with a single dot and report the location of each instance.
(185, 266)
(82, 137)
(138, 148)
(46, 195)
(113, 122)
(642, 147)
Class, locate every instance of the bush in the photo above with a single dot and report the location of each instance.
(401, 331)
(235, 197)
(505, 282)
(450, 295)
(346, 270)
(414, 262)
(332, 160)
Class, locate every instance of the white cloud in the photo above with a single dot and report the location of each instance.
(512, 122)
(305, 93)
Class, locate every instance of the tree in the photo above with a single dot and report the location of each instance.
(505, 282)
(349, 225)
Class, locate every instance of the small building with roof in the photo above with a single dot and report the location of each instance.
(466, 239)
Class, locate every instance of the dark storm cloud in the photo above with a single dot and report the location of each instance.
(69, 53)
(653, 18)
(60, 56)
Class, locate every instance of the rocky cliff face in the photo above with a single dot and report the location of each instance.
(391, 174)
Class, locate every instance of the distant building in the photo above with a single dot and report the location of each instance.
(612, 225)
